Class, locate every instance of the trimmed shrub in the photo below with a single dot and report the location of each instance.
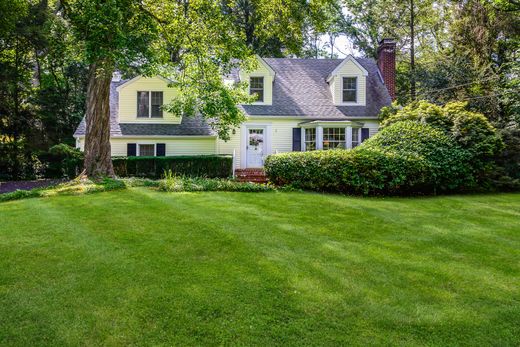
(211, 166)
(449, 165)
(360, 171)
(17, 161)
(470, 130)
(405, 158)
(421, 111)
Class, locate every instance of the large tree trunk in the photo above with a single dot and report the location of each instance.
(98, 162)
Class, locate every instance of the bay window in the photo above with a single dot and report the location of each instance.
(355, 137)
(333, 138)
(310, 139)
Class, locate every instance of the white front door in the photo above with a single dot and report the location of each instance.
(255, 147)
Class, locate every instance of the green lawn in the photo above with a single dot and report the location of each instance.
(139, 267)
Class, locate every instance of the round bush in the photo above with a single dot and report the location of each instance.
(470, 130)
(449, 164)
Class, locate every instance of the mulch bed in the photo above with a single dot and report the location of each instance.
(11, 186)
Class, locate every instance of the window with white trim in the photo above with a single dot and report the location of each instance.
(256, 87)
(310, 139)
(349, 89)
(156, 102)
(149, 104)
(146, 150)
(333, 138)
(355, 137)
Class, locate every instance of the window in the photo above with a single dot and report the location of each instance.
(333, 138)
(149, 106)
(310, 139)
(349, 89)
(157, 101)
(355, 137)
(147, 150)
(143, 101)
(256, 86)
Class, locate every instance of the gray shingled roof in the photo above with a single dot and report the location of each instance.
(190, 126)
(300, 89)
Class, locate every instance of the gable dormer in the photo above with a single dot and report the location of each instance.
(260, 82)
(348, 83)
(141, 100)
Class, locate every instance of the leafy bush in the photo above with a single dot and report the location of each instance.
(506, 176)
(62, 160)
(404, 158)
(421, 111)
(359, 171)
(509, 159)
(17, 162)
(172, 183)
(449, 166)
(211, 166)
(471, 131)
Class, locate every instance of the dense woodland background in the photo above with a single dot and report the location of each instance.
(447, 51)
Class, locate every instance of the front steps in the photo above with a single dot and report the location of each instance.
(251, 175)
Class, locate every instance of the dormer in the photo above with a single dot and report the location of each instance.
(141, 100)
(348, 83)
(260, 82)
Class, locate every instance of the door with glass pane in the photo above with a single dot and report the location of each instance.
(255, 147)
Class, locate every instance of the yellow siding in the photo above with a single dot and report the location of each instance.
(349, 69)
(261, 71)
(280, 133)
(372, 125)
(128, 100)
(280, 137)
(174, 146)
(227, 147)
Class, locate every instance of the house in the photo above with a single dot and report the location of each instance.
(302, 105)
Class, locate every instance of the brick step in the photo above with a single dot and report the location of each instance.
(251, 175)
(253, 181)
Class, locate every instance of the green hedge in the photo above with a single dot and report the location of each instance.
(363, 171)
(211, 166)
(404, 158)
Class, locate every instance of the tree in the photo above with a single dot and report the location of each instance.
(487, 33)
(278, 29)
(112, 34)
(415, 24)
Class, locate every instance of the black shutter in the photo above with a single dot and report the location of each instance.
(131, 149)
(365, 134)
(297, 139)
(161, 149)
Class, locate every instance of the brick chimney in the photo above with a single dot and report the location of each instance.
(386, 64)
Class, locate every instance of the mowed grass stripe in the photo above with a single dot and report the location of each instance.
(143, 267)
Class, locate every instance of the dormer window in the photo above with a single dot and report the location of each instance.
(256, 86)
(149, 104)
(349, 89)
